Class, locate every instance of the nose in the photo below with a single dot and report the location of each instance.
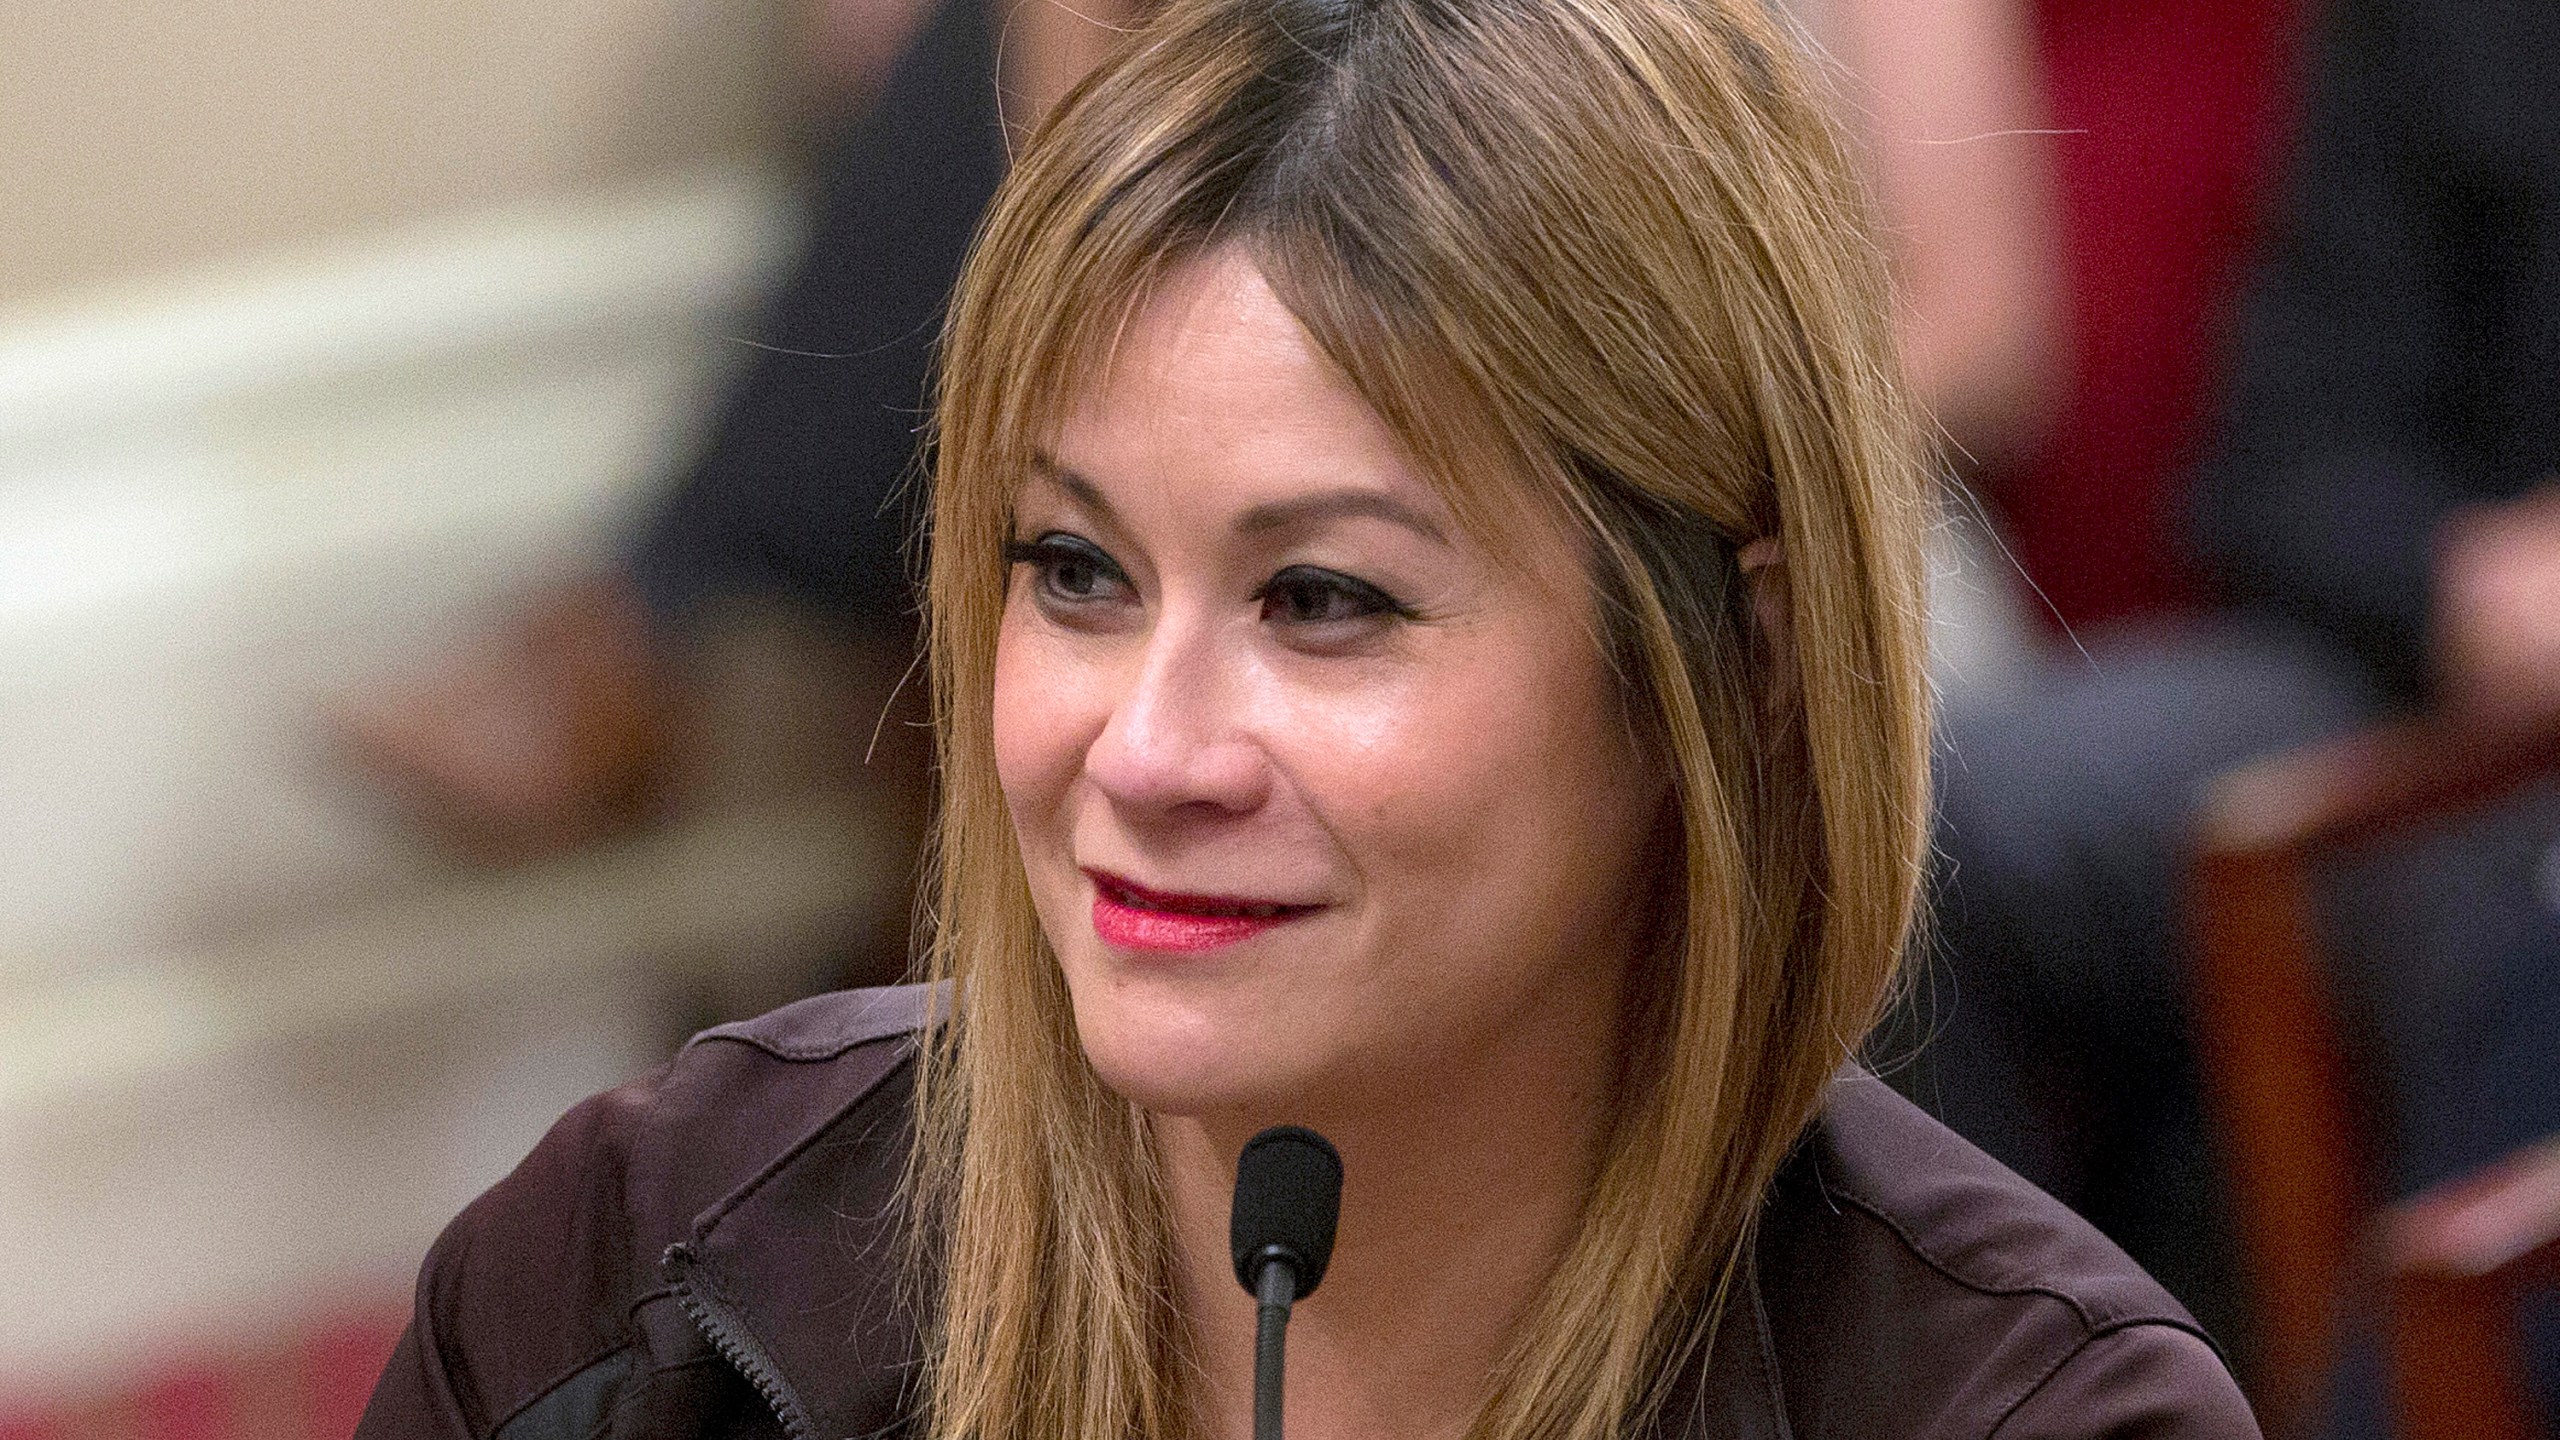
(1179, 742)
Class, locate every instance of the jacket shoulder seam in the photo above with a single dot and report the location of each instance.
(2009, 1409)
(2094, 1326)
(2092, 1329)
(888, 1013)
(1911, 1242)
(2018, 1402)
(833, 1048)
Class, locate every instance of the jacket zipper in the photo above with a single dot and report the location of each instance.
(728, 1334)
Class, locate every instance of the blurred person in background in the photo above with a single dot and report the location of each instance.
(574, 722)
(2379, 508)
(564, 726)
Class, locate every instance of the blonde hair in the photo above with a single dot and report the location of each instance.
(1619, 240)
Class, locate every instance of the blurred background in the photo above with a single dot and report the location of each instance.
(455, 531)
(329, 333)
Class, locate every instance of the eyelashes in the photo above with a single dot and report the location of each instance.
(1312, 595)
(1072, 573)
(1068, 568)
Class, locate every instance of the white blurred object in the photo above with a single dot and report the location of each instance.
(255, 1042)
(224, 501)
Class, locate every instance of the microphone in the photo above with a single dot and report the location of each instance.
(1288, 1195)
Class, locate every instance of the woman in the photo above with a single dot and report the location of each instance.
(1424, 612)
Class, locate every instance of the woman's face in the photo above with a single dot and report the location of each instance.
(1317, 796)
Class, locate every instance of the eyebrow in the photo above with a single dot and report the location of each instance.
(1084, 492)
(1296, 511)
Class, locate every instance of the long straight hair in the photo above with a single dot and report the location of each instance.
(1618, 241)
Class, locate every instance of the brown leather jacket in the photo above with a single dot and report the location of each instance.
(706, 1252)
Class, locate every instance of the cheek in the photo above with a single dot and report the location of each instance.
(1514, 792)
(1039, 731)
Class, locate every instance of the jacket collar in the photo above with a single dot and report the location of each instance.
(799, 1268)
(795, 1276)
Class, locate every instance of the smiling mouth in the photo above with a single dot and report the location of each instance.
(1133, 917)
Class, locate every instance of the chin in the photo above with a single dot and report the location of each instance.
(1175, 1057)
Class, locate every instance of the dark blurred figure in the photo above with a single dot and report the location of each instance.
(2380, 511)
(795, 496)
(574, 720)
(799, 494)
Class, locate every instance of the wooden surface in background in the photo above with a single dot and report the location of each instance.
(2301, 1164)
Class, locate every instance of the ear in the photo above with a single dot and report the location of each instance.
(1764, 572)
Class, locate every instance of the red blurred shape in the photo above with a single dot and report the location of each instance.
(2173, 114)
(340, 1363)
(190, 1403)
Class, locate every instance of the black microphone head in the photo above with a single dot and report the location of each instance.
(1288, 1195)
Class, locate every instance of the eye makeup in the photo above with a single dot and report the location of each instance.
(1069, 570)
(1313, 595)
(1323, 604)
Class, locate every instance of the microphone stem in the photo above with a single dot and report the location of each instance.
(1273, 1297)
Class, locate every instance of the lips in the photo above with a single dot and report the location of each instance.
(1129, 916)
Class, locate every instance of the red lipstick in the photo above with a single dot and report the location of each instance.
(1133, 917)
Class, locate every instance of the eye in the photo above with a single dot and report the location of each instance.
(1306, 595)
(1068, 569)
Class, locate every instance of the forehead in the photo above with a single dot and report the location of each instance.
(1215, 393)
(1214, 379)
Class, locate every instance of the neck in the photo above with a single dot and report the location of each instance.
(1456, 1209)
